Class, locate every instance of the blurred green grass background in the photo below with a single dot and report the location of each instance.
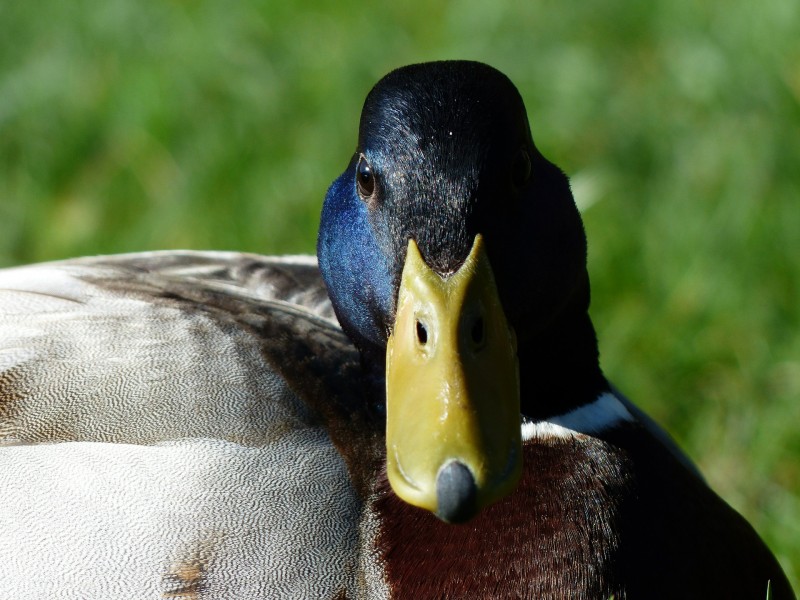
(129, 126)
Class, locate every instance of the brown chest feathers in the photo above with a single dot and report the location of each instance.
(590, 519)
(556, 536)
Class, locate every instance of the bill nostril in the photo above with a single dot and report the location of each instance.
(422, 333)
(478, 331)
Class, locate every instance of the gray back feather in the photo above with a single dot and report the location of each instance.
(151, 443)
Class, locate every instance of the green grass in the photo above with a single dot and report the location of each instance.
(141, 125)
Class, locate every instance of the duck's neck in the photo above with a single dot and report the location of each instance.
(559, 367)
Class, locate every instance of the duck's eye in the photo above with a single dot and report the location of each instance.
(365, 180)
(521, 169)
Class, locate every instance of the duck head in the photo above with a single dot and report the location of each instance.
(449, 247)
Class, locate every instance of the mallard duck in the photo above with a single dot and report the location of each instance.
(420, 414)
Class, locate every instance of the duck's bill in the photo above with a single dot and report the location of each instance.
(453, 441)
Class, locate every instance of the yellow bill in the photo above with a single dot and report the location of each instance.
(453, 442)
